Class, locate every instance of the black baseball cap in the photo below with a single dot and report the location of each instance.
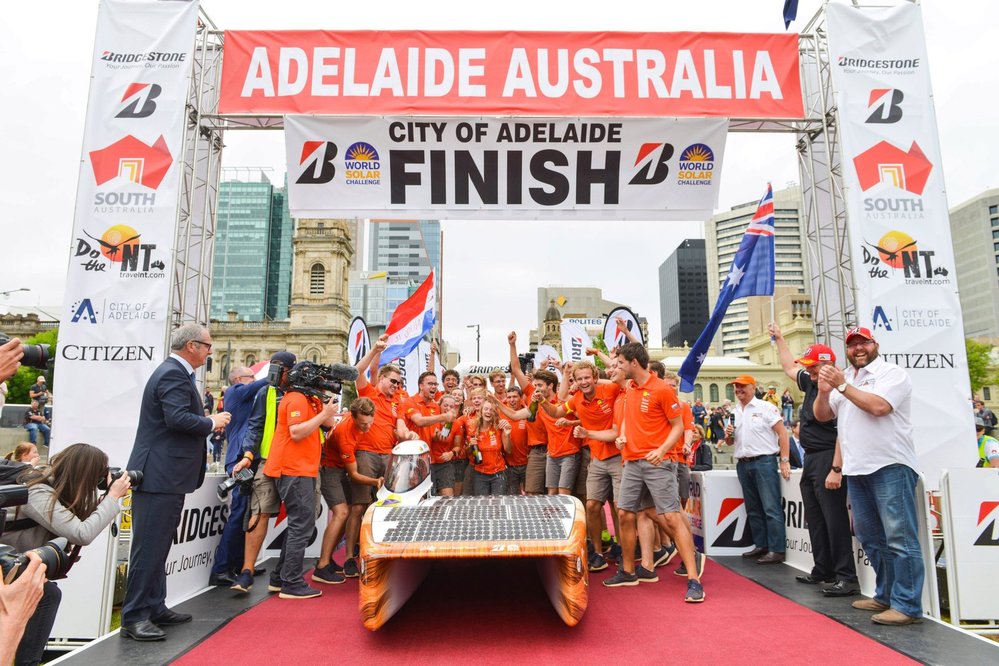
(284, 358)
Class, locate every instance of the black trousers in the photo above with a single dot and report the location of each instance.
(155, 517)
(828, 520)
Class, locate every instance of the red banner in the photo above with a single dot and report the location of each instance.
(511, 73)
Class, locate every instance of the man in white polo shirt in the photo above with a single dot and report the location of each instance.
(872, 402)
(759, 436)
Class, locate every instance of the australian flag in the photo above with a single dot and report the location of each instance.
(752, 274)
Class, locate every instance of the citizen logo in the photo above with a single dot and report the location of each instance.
(106, 352)
(921, 361)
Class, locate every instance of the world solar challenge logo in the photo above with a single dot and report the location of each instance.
(697, 165)
(361, 165)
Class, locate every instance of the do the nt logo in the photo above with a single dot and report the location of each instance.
(889, 110)
(320, 170)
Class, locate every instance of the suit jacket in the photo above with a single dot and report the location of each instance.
(170, 448)
(792, 453)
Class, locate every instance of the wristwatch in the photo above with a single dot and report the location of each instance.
(838, 470)
(785, 460)
(841, 388)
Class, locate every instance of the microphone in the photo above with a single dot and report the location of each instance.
(343, 372)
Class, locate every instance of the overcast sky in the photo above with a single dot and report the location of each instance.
(492, 269)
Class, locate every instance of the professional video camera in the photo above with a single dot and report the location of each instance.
(314, 379)
(35, 356)
(243, 478)
(134, 477)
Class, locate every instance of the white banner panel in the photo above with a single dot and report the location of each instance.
(115, 312)
(193, 552)
(278, 525)
(501, 168)
(898, 219)
(615, 337)
(575, 340)
(971, 537)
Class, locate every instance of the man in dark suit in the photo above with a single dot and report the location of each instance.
(170, 452)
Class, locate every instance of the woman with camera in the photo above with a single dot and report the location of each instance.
(63, 501)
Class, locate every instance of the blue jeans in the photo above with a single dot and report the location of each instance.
(788, 413)
(488, 484)
(229, 554)
(884, 520)
(33, 430)
(760, 483)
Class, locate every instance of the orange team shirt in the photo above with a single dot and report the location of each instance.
(441, 445)
(288, 457)
(339, 447)
(381, 437)
(518, 442)
(464, 425)
(425, 408)
(596, 414)
(646, 415)
(688, 424)
(491, 445)
(560, 440)
(537, 433)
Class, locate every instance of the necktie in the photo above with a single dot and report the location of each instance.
(193, 380)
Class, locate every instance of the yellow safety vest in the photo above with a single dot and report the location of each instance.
(270, 422)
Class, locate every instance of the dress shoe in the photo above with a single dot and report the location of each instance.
(143, 630)
(771, 558)
(894, 618)
(755, 553)
(224, 579)
(841, 588)
(809, 579)
(870, 605)
(170, 618)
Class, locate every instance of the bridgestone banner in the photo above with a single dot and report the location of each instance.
(511, 73)
(501, 168)
(898, 221)
(971, 538)
(115, 313)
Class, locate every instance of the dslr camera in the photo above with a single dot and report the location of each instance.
(53, 555)
(35, 356)
(315, 379)
(134, 477)
(243, 479)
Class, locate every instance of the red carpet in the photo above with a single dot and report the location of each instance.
(496, 612)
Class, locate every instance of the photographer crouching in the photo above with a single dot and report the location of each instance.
(63, 501)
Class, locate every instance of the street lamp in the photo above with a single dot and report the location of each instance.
(13, 291)
(477, 338)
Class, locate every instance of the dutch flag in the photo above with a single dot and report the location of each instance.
(412, 320)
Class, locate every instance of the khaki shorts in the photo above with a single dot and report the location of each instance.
(264, 498)
(537, 462)
(335, 485)
(580, 490)
(641, 480)
(604, 479)
(515, 475)
(561, 472)
(368, 464)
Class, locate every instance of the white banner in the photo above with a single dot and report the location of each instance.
(192, 555)
(115, 313)
(498, 168)
(278, 525)
(414, 364)
(971, 538)
(358, 342)
(898, 220)
(613, 337)
(575, 340)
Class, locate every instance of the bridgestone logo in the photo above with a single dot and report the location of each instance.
(151, 56)
(864, 63)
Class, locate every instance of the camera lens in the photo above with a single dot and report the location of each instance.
(35, 356)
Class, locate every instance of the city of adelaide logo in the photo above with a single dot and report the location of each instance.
(138, 100)
(988, 512)
(735, 533)
(886, 103)
(84, 311)
(889, 164)
(361, 165)
(133, 160)
(655, 165)
(889, 317)
(896, 252)
(122, 245)
(697, 164)
(321, 169)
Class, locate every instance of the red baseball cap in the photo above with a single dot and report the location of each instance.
(862, 332)
(817, 353)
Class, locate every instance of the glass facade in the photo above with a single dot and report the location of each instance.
(683, 294)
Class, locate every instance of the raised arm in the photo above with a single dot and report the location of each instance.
(515, 370)
(786, 359)
(370, 359)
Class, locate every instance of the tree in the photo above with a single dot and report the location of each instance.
(19, 384)
(979, 365)
(598, 343)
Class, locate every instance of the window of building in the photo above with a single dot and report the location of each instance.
(713, 392)
(317, 279)
(250, 360)
(729, 392)
(698, 392)
(993, 210)
(986, 393)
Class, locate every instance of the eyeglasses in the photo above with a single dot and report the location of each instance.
(859, 343)
(206, 344)
(395, 382)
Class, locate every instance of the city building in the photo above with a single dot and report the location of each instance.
(406, 249)
(586, 305)
(974, 227)
(252, 256)
(722, 236)
(374, 296)
(683, 294)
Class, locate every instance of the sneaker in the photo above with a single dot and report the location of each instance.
(244, 581)
(590, 550)
(335, 567)
(615, 552)
(327, 575)
(701, 560)
(622, 579)
(350, 568)
(275, 584)
(695, 592)
(301, 591)
(663, 556)
(645, 576)
(596, 562)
